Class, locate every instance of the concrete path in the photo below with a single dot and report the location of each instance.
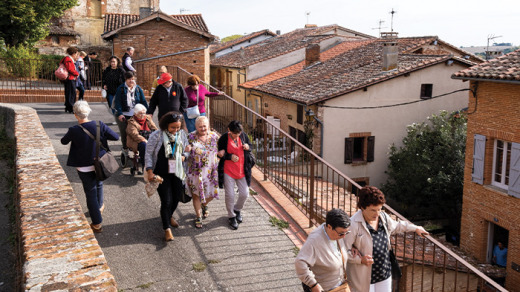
(256, 257)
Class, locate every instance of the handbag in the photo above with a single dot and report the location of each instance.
(184, 198)
(396, 269)
(105, 165)
(193, 112)
(62, 73)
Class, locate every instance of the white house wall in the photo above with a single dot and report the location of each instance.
(242, 45)
(388, 125)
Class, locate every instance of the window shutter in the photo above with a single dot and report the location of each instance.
(479, 151)
(514, 171)
(370, 148)
(349, 150)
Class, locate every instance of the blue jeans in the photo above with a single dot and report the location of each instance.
(190, 123)
(94, 194)
(110, 98)
(141, 147)
(81, 89)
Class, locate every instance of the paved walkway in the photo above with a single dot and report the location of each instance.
(256, 257)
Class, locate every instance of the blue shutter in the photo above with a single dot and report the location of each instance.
(514, 171)
(479, 151)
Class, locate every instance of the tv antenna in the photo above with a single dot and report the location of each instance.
(182, 10)
(392, 23)
(307, 13)
(380, 27)
(490, 37)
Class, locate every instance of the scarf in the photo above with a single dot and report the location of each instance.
(130, 96)
(142, 123)
(176, 152)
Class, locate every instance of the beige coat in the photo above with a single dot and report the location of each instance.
(132, 132)
(359, 275)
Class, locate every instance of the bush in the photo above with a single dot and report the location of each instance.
(21, 61)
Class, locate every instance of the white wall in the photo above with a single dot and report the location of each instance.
(388, 125)
(243, 45)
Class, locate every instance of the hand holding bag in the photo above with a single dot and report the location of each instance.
(106, 165)
(193, 112)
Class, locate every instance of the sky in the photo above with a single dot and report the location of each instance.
(458, 22)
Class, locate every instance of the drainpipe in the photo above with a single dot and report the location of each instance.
(321, 135)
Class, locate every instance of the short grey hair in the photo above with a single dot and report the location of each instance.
(81, 109)
(139, 108)
(129, 49)
(201, 119)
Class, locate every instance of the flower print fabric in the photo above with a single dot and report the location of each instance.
(202, 174)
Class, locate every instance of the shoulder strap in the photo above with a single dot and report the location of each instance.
(98, 144)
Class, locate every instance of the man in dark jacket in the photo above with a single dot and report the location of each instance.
(168, 96)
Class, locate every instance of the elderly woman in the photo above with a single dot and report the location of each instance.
(165, 153)
(202, 176)
(70, 82)
(322, 260)
(127, 96)
(138, 130)
(81, 155)
(234, 169)
(369, 267)
(196, 93)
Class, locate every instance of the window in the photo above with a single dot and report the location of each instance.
(426, 91)
(359, 148)
(299, 114)
(501, 163)
(361, 182)
(55, 40)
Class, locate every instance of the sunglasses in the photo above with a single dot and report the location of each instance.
(342, 234)
(177, 116)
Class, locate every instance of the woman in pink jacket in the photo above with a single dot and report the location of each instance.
(193, 88)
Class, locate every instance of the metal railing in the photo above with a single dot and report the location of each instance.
(315, 186)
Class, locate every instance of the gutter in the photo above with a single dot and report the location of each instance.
(173, 54)
(516, 82)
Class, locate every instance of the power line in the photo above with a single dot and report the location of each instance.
(394, 105)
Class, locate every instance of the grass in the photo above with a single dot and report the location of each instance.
(213, 261)
(252, 192)
(281, 224)
(145, 286)
(199, 267)
(296, 250)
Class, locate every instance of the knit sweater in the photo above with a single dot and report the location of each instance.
(113, 78)
(320, 261)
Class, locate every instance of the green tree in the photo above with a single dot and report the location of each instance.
(24, 22)
(426, 173)
(231, 37)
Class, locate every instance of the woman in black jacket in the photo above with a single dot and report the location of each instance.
(113, 76)
(81, 155)
(234, 169)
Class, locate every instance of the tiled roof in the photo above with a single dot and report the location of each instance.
(114, 21)
(221, 46)
(57, 30)
(503, 68)
(355, 65)
(275, 46)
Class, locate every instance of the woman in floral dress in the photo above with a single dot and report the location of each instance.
(202, 174)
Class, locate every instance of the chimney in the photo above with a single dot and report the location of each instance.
(311, 25)
(312, 54)
(278, 32)
(390, 52)
(144, 12)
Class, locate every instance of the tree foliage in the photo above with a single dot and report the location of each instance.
(426, 173)
(24, 22)
(231, 37)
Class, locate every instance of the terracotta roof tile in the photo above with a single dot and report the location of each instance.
(221, 46)
(276, 46)
(114, 21)
(355, 67)
(503, 68)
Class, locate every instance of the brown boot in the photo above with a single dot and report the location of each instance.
(96, 228)
(174, 223)
(168, 236)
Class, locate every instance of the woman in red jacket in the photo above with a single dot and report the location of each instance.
(70, 83)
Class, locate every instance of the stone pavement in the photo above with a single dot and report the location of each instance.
(255, 257)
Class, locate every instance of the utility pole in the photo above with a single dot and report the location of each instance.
(490, 37)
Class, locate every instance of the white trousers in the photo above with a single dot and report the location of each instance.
(243, 193)
(383, 286)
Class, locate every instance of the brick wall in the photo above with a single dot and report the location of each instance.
(56, 246)
(496, 117)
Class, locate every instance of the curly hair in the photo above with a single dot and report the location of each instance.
(370, 196)
(170, 117)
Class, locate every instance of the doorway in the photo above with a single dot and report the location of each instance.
(496, 234)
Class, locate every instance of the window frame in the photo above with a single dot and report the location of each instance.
(426, 90)
(505, 165)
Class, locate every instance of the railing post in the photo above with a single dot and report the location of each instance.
(312, 213)
(264, 144)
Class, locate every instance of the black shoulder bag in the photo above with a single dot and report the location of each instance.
(396, 269)
(106, 165)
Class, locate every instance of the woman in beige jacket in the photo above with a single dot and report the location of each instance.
(369, 267)
(138, 129)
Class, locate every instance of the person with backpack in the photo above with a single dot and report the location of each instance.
(70, 82)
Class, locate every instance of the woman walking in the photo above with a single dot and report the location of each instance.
(81, 155)
(70, 82)
(196, 93)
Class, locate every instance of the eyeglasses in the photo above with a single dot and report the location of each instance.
(342, 234)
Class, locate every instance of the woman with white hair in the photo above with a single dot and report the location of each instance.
(202, 174)
(81, 155)
(139, 128)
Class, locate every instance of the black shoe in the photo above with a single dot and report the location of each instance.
(239, 217)
(233, 223)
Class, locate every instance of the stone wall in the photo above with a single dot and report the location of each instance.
(56, 247)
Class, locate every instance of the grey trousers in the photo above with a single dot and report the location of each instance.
(243, 193)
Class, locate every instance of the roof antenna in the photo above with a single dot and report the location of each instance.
(392, 23)
(307, 13)
(380, 27)
(182, 10)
